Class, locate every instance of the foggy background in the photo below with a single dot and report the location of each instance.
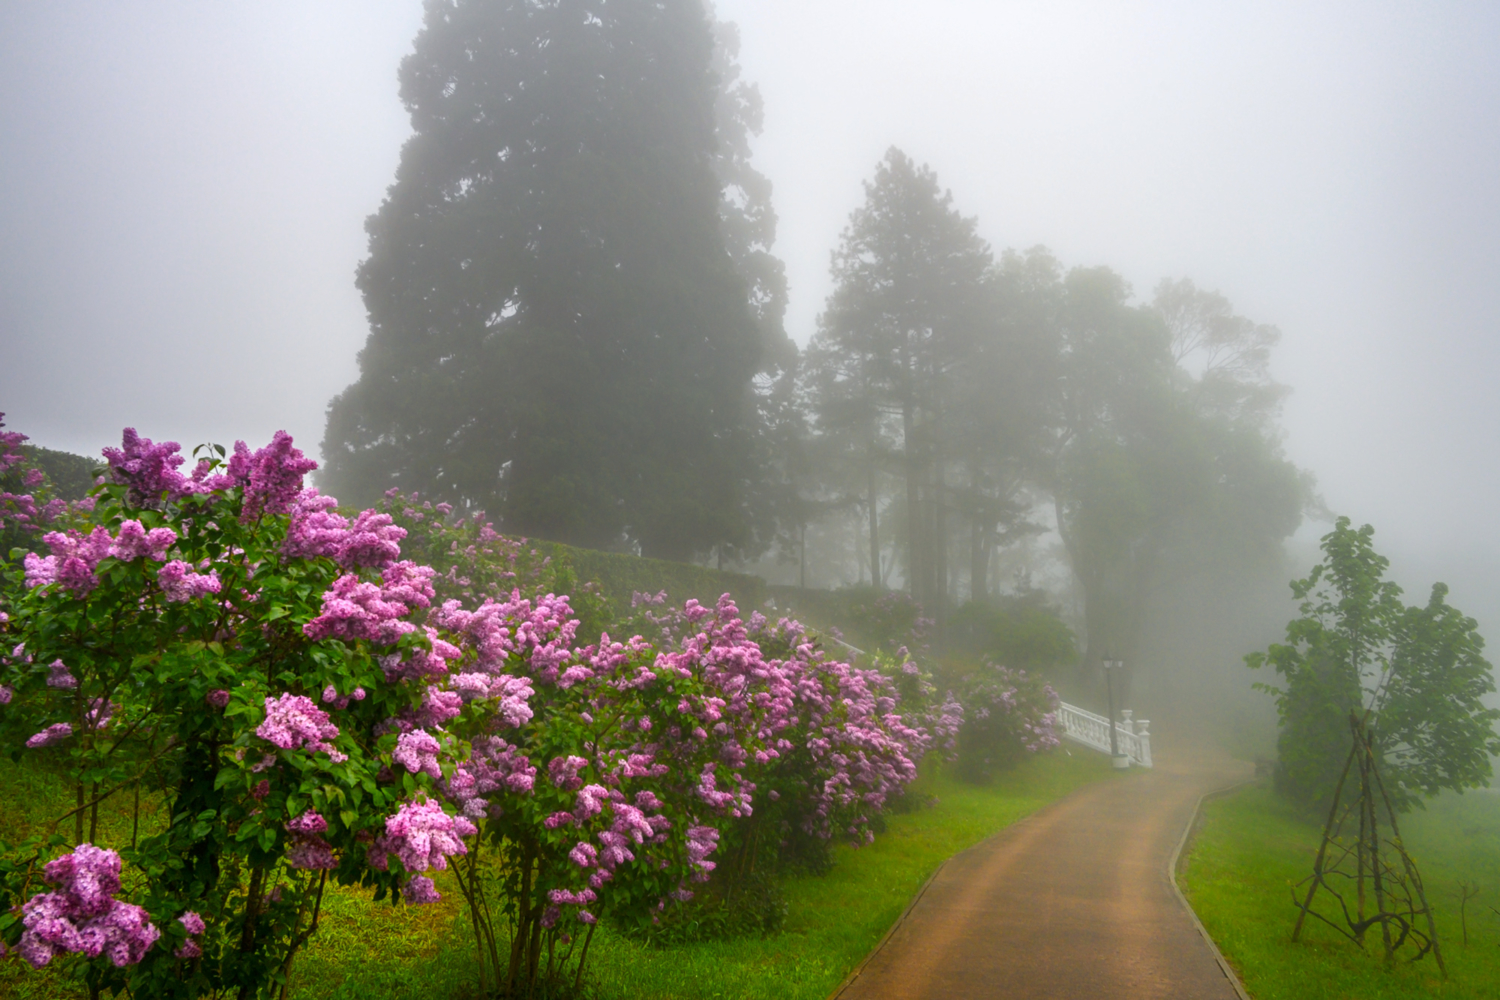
(183, 188)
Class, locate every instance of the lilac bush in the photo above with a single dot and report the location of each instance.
(1010, 715)
(313, 704)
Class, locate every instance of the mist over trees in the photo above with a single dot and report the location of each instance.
(577, 325)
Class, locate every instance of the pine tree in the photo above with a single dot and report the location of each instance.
(909, 301)
(557, 332)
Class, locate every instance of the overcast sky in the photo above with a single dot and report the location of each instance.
(183, 187)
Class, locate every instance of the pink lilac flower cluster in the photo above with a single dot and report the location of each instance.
(179, 583)
(83, 917)
(318, 530)
(493, 765)
(133, 541)
(270, 478)
(853, 750)
(354, 609)
(72, 562)
(193, 924)
(75, 559)
(306, 847)
(417, 751)
(293, 721)
(421, 836)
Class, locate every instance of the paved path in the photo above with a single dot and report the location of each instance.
(1073, 903)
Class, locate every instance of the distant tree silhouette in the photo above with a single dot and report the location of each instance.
(558, 332)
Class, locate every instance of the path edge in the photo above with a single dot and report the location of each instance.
(1172, 867)
(854, 973)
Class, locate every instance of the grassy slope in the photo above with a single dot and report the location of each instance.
(832, 923)
(1252, 848)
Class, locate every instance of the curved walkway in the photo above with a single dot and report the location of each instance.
(1073, 903)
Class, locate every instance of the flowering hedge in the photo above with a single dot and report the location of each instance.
(1009, 715)
(311, 705)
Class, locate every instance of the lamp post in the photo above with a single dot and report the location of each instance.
(1111, 664)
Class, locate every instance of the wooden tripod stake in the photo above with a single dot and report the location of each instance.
(1399, 899)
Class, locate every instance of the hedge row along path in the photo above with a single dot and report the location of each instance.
(1073, 903)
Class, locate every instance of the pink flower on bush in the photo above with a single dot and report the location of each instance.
(72, 562)
(422, 836)
(83, 917)
(55, 733)
(58, 676)
(417, 752)
(354, 609)
(307, 848)
(420, 890)
(293, 721)
(218, 697)
(134, 542)
(180, 583)
(149, 470)
(271, 477)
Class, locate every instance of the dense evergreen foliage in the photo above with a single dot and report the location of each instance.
(558, 332)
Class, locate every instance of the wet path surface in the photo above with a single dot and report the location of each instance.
(1073, 903)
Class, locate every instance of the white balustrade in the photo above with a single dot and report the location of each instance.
(1082, 726)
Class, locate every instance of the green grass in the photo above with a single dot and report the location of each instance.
(833, 920)
(1252, 848)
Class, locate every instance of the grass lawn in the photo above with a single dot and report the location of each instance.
(1252, 848)
(368, 951)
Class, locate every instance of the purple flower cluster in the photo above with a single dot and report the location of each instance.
(179, 582)
(270, 478)
(72, 562)
(354, 609)
(421, 836)
(318, 530)
(306, 847)
(293, 721)
(193, 924)
(83, 917)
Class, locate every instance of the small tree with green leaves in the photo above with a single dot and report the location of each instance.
(1419, 673)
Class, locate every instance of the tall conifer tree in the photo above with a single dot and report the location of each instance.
(557, 332)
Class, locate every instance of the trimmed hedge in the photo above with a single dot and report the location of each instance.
(621, 576)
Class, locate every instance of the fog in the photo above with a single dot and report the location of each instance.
(183, 188)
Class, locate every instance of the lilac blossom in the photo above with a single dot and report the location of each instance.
(306, 847)
(417, 752)
(293, 721)
(179, 583)
(271, 477)
(58, 676)
(420, 890)
(354, 609)
(422, 836)
(218, 697)
(83, 917)
(133, 541)
(55, 733)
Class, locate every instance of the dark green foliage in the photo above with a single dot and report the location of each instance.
(557, 330)
(621, 576)
(877, 621)
(1419, 672)
(1021, 631)
(71, 476)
